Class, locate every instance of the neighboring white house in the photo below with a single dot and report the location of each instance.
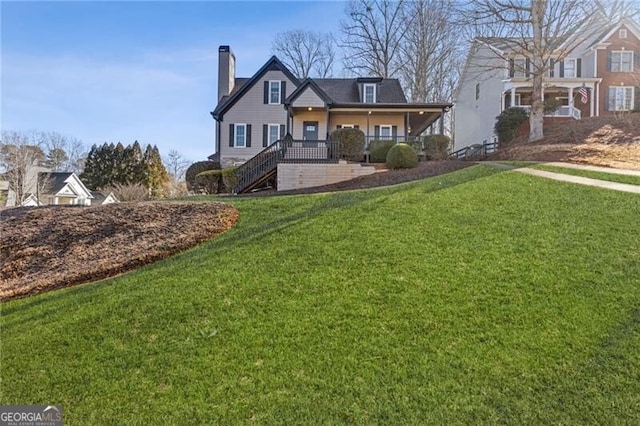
(103, 198)
(62, 188)
(599, 76)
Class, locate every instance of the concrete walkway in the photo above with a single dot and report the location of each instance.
(624, 187)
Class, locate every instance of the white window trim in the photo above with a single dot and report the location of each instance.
(386, 126)
(575, 67)
(278, 82)
(348, 126)
(622, 33)
(364, 92)
(235, 135)
(621, 52)
(631, 98)
(269, 127)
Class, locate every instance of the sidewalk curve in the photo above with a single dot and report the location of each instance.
(623, 187)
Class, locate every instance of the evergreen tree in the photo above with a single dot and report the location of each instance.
(156, 174)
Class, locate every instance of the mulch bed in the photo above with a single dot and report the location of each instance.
(45, 248)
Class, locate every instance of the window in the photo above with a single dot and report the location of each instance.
(274, 92)
(240, 140)
(477, 91)
(622, 33)
(346, 126)
(385, 132)
(620, 98)
(621, 61)
(519, 67)
(370, 93)
(274, 133)
(570, 68)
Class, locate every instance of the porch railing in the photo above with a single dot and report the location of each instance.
(475, 151)
(563, 111)
(262, 165)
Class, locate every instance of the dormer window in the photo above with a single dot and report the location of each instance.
(369, 91)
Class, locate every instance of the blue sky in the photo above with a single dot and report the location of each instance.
(145, 70)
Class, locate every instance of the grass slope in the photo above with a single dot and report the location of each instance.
(481, 296)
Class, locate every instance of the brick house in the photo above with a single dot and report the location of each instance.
(600, 75)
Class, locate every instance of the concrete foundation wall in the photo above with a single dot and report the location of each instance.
(297, 176)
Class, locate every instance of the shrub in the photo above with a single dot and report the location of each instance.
(401, 156)
(229, 178)
(129, 192)
(508, 122)
(378, 150)
(217, 181)
(209, 182)
(195, 169)
(551, 105)
(351, 143)
(436, 147)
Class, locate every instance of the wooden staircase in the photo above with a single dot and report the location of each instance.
(259, 169)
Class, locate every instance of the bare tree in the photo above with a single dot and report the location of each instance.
(371, 37)
(539, 30)
(306, 53)
(429, 51)
(176, 165)
(20, 164)
(64, 153)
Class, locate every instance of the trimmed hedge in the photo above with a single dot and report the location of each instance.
(195, 169)
(436, 147)
(379, 149)
(401, 156)
(351, 143)
(217, 181)
(508, 122)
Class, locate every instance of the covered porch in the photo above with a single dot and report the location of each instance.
(562, 98)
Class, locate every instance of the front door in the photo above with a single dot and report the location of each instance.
(310, 130)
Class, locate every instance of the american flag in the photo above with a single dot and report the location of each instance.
(583, 94)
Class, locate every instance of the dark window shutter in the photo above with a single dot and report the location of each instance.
(266, 92)
(282, 130)
(376, 131)
(265, 135)
(636, 99)
(356, 127)
(512, 68)
(611, 96)
(552, 64)
(394, 133)
(528, 67)
(636, 61)
(339, 126)
(283, 91)
(579, 67)
(561, 69)
(231, 129)
(248, 136)
(608, 61)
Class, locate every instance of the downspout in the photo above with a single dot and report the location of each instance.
(442, 122)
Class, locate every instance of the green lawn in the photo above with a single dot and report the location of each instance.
(481, 296)
(613, 177)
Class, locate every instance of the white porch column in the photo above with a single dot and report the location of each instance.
(513, 97)
(592, 100)
(571, 96)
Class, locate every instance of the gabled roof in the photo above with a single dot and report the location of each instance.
(626, 22)
(57, 181)
(100, 197)
(273, 64)
(339, 91)
(308, 82)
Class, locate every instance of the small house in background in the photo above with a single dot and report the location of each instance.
(62, 188)
(102, 198)
(31, 201)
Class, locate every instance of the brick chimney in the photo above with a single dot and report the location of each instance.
(226, 71)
